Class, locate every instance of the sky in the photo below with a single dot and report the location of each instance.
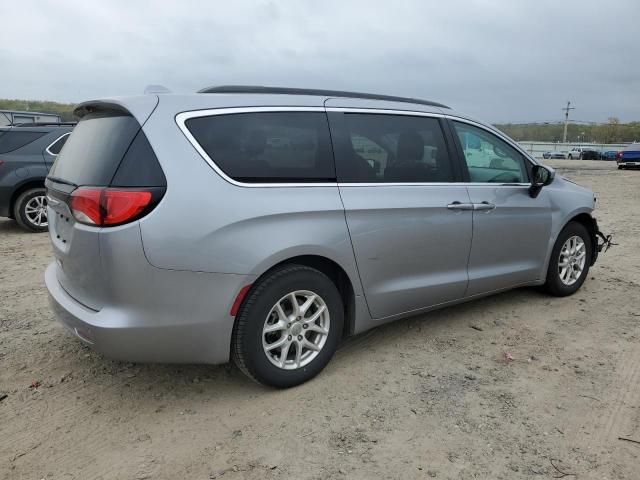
(499, 60)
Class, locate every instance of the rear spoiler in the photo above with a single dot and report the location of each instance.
(140, 107)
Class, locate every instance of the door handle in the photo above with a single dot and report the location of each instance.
(460, 206)
(484, 206)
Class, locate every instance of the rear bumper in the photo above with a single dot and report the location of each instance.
(5, 199)
(191, 328)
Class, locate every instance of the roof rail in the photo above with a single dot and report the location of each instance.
(43, 124)
(314, 91)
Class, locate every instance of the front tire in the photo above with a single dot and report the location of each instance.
(288, 326)
(570, 260)
(30, 210)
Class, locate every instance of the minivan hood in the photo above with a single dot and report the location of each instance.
(577, 191)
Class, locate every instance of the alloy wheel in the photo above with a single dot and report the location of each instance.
(36, 211)
(571, 263)
(295, 330)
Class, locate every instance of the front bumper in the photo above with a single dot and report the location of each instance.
(182, 334)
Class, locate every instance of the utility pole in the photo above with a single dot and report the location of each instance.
(566, 120)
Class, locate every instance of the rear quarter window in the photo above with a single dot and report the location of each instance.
(267, 146)
(55, 147)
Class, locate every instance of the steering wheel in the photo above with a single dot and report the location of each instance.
(499, 152)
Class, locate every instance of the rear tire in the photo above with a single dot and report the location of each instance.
(30, 210)
(278, 344)
(570, 260)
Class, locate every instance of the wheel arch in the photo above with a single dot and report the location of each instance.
(23, 187)
(581, 215)
(336, 274)
(586, 220)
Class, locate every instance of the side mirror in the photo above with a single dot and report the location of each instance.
(540, 177)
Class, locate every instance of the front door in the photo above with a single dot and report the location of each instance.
(511, 230)
(409, 219)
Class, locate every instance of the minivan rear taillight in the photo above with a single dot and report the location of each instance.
(107, 207)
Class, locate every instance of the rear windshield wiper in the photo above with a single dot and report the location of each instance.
(61, 180)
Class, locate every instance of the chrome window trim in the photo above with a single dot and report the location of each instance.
(182, 117)
(54, 142)
(432, 184)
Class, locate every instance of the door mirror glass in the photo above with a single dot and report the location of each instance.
(541, 176)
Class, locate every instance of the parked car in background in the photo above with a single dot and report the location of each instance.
(583, 153)
(551, 155)
(590, 154)
(629, 157)
(26, 154)
(608, 155)
(15, 117)
(181, 233)
(574, 153)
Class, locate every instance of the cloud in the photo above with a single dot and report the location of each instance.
(498, 60)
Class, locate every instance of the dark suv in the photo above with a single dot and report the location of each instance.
(27, 152)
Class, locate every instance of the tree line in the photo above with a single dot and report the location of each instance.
(65, 110)
(611, 132)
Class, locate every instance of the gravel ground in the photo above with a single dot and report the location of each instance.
(428, 397)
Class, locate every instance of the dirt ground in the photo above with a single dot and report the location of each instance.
(427, 397)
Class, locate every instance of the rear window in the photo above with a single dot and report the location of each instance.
(55, 147)
(94, 149)
(268, 146)
(11, 140)
(108, 148)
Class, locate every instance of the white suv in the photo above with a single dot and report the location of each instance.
(576, 153)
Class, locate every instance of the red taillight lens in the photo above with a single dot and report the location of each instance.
(108, 206)
(85, 205)
(619, 155)
(121, 206)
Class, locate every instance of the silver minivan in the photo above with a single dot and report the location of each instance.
(265, 224)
